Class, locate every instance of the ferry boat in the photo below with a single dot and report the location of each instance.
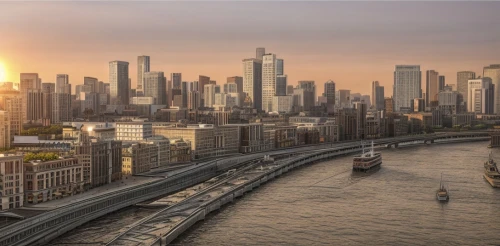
(367, 161)
(491, 173)
(442, 193)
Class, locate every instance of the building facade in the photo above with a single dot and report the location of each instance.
(11, 181)
(119, 82)
(407, 86)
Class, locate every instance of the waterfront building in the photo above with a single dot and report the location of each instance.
(432, 87)
(481, 96)
(54, 179)
(493, 72)
(143, 156)
(11, 182)
(407, 86)
(463, 78)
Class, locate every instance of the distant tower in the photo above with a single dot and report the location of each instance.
(431, 87)
(119, 84)
(142, 67)
(260, 52)
(268, 81)
(280, 70)
(463, 83)
(155, 86)
(61, 81)
(252, 81)
(493, 72)
(330, 95)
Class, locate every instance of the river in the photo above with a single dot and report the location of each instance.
(326, 204)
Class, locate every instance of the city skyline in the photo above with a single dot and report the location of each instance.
(313, 46)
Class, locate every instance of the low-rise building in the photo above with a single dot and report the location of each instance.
(54, 179)
(180, 150)
(133, 131)
(145, 155)
(11, 181)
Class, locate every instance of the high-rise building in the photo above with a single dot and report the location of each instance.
(431, 87)
(48, 88)
(462, 82)
(389, 105)
(252, 81)
(35, 105)
(493, 72)
(481, 96)
(185, 89)
(209, 95)
(238, 80)
(93, 84)
(343, 98)
(330, 95)
(418, 105)
(176, 80)
(281, 83)
(442, 82)
(379, 97)
(143, 66)
(407, 86)
(374, 86)
(12, 173)
(27, 81)
(310, 89)
(155, 86)
(61, 81)
(4, 130)
(61, 108)
(230, 87)
(280, 70)
(260, 52)
(289, 89)
(119, 82)
(13, 105)
(268, 81)
(194, 100)
(282, 104)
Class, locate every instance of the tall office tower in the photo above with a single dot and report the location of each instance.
(268, 81)
(374, 86)
(209, 95)
(431, 87)
(308, 85)
(252, 81)
(119, 82)
(155, 86)
(442, 82)
(34, 105)
(389, 105)
(280, 69)
(217, 89)
(185, 88)
(13, 105)
(361, 109)
(4, 130)
(281, 83)
(177, 98)
(48, 88)
(61, 108)
(170, 97)
(142, 67)
(196, 86)
(463, 82)
(230, 87)
(203, 80)
(407, 86)
(379, 97)
(100, 87)
(343, 98)
(329, 93)
(194, 100)
(61, 81)
(418, 105)
(176, 80)
(289, 89)
(27, 81)
(238, 80)
(260, 52)
(93, 83)
(493, 72)
(481, 96)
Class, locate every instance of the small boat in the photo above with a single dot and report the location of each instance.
(491, 173)
(367, 161)
(442, 193)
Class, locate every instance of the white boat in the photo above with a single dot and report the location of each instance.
(491, 173)
(442, 193)
(367, 160)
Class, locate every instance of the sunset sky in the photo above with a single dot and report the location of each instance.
(352, 43)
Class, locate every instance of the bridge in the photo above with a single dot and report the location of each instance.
(439, 137)
(44, 227)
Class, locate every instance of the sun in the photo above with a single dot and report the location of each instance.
(3, 73)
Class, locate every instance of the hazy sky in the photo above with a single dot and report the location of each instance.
(352, 43)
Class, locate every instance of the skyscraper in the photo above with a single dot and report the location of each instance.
(280, 70)
(462, 82)
(238, 80)
(186, 87)
(310, 91)
(481, 96)
(260, 52)
(119, 84)
(27, 81)
(374, 85)
(93, 83)
(252, 81)
(209, 95)
(281, 83)
(379, 98)
(268, 81)
(493, 72)
(431, 87)
(330, 96)
(34, 105)
(442, 82)
(155, 86)
(407, 86)
(61, 81)
(142, 67)
(176, 80)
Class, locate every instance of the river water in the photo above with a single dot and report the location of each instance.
(326, 204)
